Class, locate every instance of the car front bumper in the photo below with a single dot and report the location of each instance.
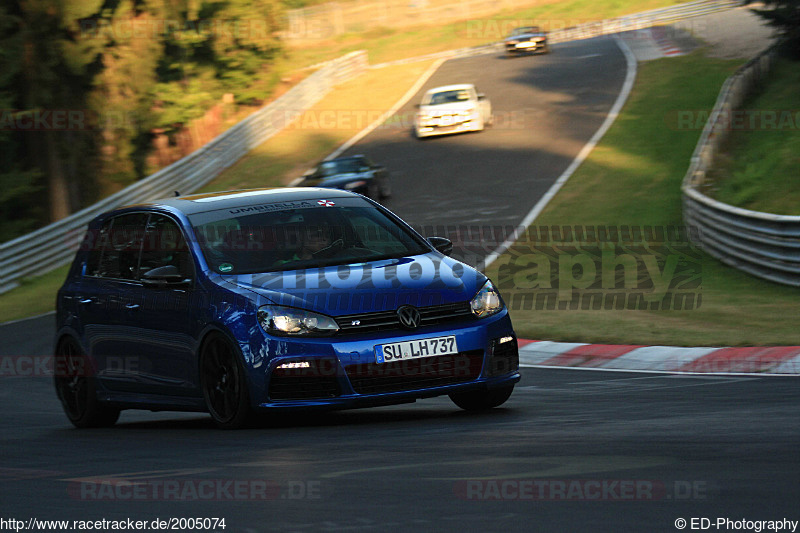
(431, 130)
(343, 373)
(526, 47)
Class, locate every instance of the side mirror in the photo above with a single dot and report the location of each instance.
(441, 244)
(481, 96)
(164, 276)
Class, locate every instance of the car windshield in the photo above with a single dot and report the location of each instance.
(446, 97)
(299, 235)
(342, 166)
(524, 30)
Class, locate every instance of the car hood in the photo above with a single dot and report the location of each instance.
(443, 109)
(422, 280)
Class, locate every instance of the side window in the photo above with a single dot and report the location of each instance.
(165, 245)
(96, 246)
(118, 247)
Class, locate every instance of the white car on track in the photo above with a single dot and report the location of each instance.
(452, 109)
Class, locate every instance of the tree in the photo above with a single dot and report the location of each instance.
(129, 42)
(51, 78)
(125, 68)
(785, 16)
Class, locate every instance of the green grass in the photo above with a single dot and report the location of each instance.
(761, 168)
(387, 44)
(34, 296)
(273, 163)
(633, 177)
(344, 112)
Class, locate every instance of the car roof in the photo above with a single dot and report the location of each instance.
(345, 157)
(198, 203)
(455, 87)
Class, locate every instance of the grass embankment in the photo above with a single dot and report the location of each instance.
(761, 167)
(388, 44)
(287, 154)
(314, 135)
(633, 178)
(348, 109)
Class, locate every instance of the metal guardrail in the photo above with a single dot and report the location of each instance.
(54, 245)
(324, 21)
(643, 20)
(762, 244)
(637, 21)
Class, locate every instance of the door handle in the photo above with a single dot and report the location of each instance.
(131, 306)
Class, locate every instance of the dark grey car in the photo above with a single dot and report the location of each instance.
(352, 173)
(526, 40)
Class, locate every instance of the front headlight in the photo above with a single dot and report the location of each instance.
(487, 302)
(280, 320)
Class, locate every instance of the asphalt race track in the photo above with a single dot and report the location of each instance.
(570, 451)
(546, 109)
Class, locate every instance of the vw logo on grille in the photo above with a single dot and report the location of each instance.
(409, 316)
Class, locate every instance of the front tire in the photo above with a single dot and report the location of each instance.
(76, 388)
(482, 399)
(224, 383)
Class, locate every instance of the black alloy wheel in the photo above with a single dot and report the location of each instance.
(224, 385)
(76, 387)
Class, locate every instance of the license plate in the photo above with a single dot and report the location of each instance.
(397, 351)
(446, 120)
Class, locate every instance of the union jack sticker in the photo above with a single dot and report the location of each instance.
(326, 203)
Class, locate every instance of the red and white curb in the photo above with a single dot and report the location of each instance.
(663, 41)
(745, 360)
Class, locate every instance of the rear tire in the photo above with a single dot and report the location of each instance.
(373, 190)
(76, 388)
(224, 383)
(386, 189)
(483, 399)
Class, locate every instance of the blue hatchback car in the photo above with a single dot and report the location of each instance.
(249, 301)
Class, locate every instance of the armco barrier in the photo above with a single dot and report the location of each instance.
(636, 21)
(54, 245)
(324, 21)
(761, 244)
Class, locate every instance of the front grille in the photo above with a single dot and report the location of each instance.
(504, 359)
(422, 373)
(317, 381)
(387, 320)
